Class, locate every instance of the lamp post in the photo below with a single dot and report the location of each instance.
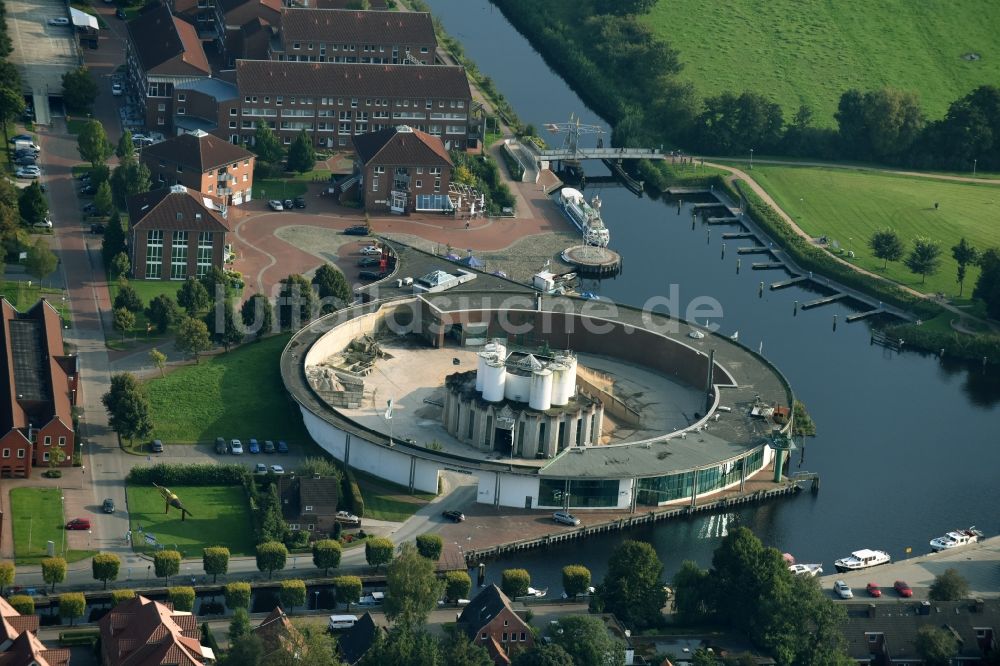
(751, 158)
(316, 599)
(973, 168)
(62, 499)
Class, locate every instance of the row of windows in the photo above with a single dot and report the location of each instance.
(21, 453)
(295, 526)
(178, 254)
(512, 636)
(279, 100)
(220, 171)
(365, 48)
(657, 490)
(365, 60)
(402, 185)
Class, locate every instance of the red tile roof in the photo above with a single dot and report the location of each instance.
(401, 146)
(344, 26)
(175, 209)
(142, 632)
(197, 150)
(164, 44)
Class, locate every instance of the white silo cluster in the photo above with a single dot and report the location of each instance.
(563, 378)
(542, 383)
(491, 372)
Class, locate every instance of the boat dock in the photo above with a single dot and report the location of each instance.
(823, 301)
(674, 191)
(723, 220)
(861, 315)
(767, 265)
(633, 185)
(733, 235)
(753, 249)
(781, 284)
(710, 204)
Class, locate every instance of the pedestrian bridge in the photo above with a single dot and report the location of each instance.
(597, 153)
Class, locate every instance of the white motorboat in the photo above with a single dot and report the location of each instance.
(532, 592)
(586, 217)
(956, 539)
(806, 569)
(862, 559)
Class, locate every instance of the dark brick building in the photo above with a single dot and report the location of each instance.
(204, 163)
(403, 170)
(490, 621)
(244, 27)
(309, 504)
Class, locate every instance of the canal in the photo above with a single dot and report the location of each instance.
(907, 444)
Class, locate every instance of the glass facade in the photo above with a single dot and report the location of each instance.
(660, 489)
(154, 254)
(204, 253)
(178, 255)
(583, 493)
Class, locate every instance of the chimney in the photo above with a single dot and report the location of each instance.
(871, 610)
(978, 605)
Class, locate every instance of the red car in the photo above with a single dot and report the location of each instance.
(78, 524)
(902, 588)
(873, 590)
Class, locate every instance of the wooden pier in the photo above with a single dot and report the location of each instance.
(881, 339)
(823, 301)
(756, 249)
(633, 185)
(674, 191)
(733, 235)
(711, 204)
(861, 315)
(767, 265)
(781, 284)
(723, 220)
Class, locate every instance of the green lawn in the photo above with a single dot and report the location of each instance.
(147, 290)
(75, 126)
(37, 515)
(848, 206)
(279, 188)
(238, 394)
(811, 51)
(23, 296)
(220, 516)
(388, 501)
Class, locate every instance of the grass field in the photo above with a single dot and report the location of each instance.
(239, 394)
(388, 501)
(147, 291)
(38, 518)
(220, 516)
(809, 52)
(848, 206)
(24, 296)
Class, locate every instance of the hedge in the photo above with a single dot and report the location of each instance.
(352, 494)
(658, 176)
(70, 634)
(959, 345)
(190, 475)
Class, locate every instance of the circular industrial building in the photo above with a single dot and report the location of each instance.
(549, 401)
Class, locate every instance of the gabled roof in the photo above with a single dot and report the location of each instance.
(142, 632)
(196, 150)
(357, 640)
(176, 208)
(230, 5)
(167, 45)
(342, 4)
(276, 631)
(483, 608)
(401, 146)
(28, 650)
(217, 89)
(13, 624)
(327, 78)
(345, 26)
(297, 493)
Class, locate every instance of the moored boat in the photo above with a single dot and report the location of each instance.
(532, 592)
(806, 569)
(956, 539)
(586, 217)
(862, 559)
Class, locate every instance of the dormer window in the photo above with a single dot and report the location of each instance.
(308, 507)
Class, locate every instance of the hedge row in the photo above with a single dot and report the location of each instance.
(352, 494)
(658, 176)
(513, 166)
(190, 475)
(958, 345)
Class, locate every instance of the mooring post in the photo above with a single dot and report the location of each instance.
(723, 250)
(760, 290)
(795, 309)
(739, 262)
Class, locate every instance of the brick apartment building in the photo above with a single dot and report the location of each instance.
(402, 170)
(38, 385)
(204, 163)
(175, 233)
(244, 27)
(161, 51)
(203, 105)
(345, 36)
(334, 101)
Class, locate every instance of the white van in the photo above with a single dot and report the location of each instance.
(338, 622)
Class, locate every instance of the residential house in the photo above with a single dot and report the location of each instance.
(378, 5)
(199, 13)
(201, 105)
(19, 645)
(276, 632)
(346, 36)
(334, 101)
(234, 42)
(882, 634)
(38, 386)
(202, 162)
(402, 170)
(490, 621)
(356, 641)
(309, 503)
(175, 233)
(143, 632)
(161, 51)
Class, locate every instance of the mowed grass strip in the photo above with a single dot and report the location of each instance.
(235, 395)
(37, 517)
(811, 51)
(849, 206)
(220, 516)
(385, 500)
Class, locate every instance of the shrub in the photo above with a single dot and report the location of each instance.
(118, 596)
(515, 582)
(576, 579)
(182, 598)
(52, 474)
(457, 585)
(189, 475)
(23, 604)
(430, 546)
(352, 494)
(237, 595)
(297, 539)
(347, 588)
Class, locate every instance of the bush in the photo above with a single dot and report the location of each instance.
(352, 494)
(297, 539)
(237, 595)
(23, 604)
(457, 585)
(52, 474)
(576, 579)
(189, 475)
(430, 546)
(182, 598)
(955, 344)
(118, 596)
(515, 582)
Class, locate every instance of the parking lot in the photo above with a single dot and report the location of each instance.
(205, 453)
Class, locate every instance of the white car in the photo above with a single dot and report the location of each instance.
(843, 590)
(59, 21)
(347, 517)
(44, 224)
(370, 249)
(565, 518)
(29, 172)
(275, 204)
(236, 447)
(116, 89)
(277, 469)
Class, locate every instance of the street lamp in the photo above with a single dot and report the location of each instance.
(62, 499)
(973, 167)
(316, 602)
(751, 158)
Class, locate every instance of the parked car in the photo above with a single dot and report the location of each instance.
(282, 447)
(275, 205)
(25, 160)
(62, 20)
(78, 524)
(288, 204)
(454, 516)
(87, 189)
(220, 445)
(371, 275)
(27, 145)
(22, 137)
(236, 447)
(120, 13)
(370, 250)
(108, 506)
(565, 518)
(873, 590)
(31, 172)
(138, 136)
(843, 590)
(357, 230)
(369, 261)
(44, 224)
(299, 202)
(97, 229)
(269, 446)
(260, 468)
(156, 446)
(116, 89)
(902, 589)
(347, 518)
(254, 446)
(277, 469)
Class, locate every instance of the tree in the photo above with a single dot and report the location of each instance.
(271, 557)
(936, 646)
(120, 267)
(239, 626)
(126, 148)
(378, 551)
(948, 586)
(624, 7)
(193, 297)
(105, 567)
(403, 646)
(430, 546)
(92, 143)
(964, 255)
(118, 596)
(347, 589)
(543, 655)
(576, 579)
(458, 650)
(221, 323)
(192, 337)
(103, 199)
(633, 586)
(124, 321)
(79, 89)
(703, 657)
(128, 298)
(129, 179)
(588, 642)
(878, 124)
(217, 284)
(334, 292)
(293, 593)
(71, 606)
(302, 155)
(53, 571)
(113, 243)
(326, 555)
(182, 598)
(166, 563)
(321, 467)
(257, 315)
(32, 204)
(41, 261)
(7, 571)
(23, 604)
(412, 588)
(515, 582)
(11, 104)
(163, 312)
(237, 595)
(924, 259)
(690, 586)
(988, 285)
(457, 585)
(266, 145)
(295, 302)
(887, 246)
(464, 175)
(127, 407)
(215, 561)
